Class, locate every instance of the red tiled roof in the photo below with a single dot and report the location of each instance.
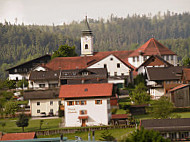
(186, 73)
(81, 62)
(119, 116)
(18, 136)
(86, 90)
(178, 87)
(152, 47)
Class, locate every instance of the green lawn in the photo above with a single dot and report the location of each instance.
(117, 133)
(33, 125)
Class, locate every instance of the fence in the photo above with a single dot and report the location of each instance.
(83, 129)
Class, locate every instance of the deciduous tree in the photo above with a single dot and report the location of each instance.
(22, 121)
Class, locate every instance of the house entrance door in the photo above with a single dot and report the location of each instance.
(83, 122)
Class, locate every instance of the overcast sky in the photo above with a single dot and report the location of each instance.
(60, 11)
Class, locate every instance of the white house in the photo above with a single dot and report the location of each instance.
(43, 101)
(86, 104)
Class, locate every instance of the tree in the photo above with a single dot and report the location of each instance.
(186, 62)
(22, 83)
(161, 108)
(3, 124)
(11, 107)
(106, 136)
(11, 84)
(144, 135)
(64, 51)
(41, 123)
(22, 121)
(139, 94)
(140, 78)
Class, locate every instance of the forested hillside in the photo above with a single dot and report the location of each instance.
(19, 43)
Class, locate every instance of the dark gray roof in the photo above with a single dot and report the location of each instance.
(165, 125)
(164, 73)
(41, 94)
(77, 73)
(44, 75)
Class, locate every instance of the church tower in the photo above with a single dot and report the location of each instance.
(87, 40)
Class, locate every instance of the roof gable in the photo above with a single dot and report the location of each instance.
(155, 60)
(86, 90)
(178, 87)
(152, 47)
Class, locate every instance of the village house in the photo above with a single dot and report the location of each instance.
(175, 129)
(43, 102)
(46, 79)
(161, 79)
(86, 104)
(21, 71)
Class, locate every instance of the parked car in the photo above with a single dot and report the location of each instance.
(43, 114)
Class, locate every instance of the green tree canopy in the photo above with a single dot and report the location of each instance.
(162, 108)
(22, 121)
(64, 51)
(186, 62)
(144, 135)
(139, 94)
(106, 136)
(22, 83)
(11, 107)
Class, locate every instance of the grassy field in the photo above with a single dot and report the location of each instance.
(34, 125)
(117, 133)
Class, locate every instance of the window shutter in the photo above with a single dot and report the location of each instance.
(85, 102)
(100, 101)
(68, 103)
(95, 101)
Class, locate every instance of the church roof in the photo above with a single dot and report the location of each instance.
(81, 62)
(152, 47)
(86, 30)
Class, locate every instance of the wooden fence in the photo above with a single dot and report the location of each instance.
(82, 129)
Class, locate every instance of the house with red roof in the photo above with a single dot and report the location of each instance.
(17, 136)
(152, 47)
(86, 104)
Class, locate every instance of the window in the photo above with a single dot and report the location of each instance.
(122, 74)
(133, 59)
(118, 65)
(137, 58)
(108, 73)
(86, 46)
(38, 103)
(115, 73)
(111, 59)
(15, 70)
(77, 102)
(84, 73)
(98, 102)
(83, 102)
(53, 85)
(51, 110)
(105, 66)
(16, 78)
(82, 112)
(108, 101)
(51, 103)
(38, 111)
(70, 103)
(42, 85)
(167, 57)
(172, 57)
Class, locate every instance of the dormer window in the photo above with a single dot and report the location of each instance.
(86, 46)
(84, 73)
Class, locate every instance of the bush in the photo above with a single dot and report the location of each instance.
(113, 111)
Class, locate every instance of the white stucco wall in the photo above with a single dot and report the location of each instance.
(112, 66)
(44, 106)
(156, 93)
(87, 40)
(17, 76)
(36, 84)
(137, 63)
(97, 113)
